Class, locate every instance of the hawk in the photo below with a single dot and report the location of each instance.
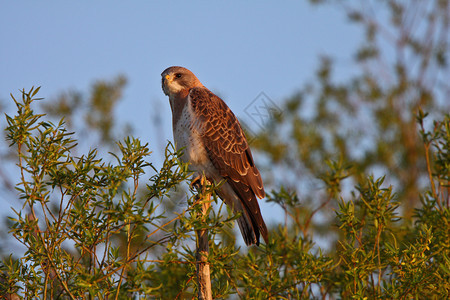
(215, 145)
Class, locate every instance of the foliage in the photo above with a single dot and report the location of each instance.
(367, 121)
(76, 208)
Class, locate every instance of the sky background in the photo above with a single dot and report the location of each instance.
(237, 49)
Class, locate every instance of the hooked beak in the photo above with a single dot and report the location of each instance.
(165, 79)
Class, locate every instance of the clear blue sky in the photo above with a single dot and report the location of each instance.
(236, 48)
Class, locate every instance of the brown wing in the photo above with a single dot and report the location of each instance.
(229, 152)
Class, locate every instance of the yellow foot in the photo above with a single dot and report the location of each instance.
(196, 182)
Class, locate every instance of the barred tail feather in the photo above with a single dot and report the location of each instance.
(250, 236)
(252, 229)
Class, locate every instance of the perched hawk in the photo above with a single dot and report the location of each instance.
(214, 144)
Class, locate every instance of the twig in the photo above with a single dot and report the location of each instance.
(203, 270)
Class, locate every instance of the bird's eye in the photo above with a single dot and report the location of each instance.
(178, 75)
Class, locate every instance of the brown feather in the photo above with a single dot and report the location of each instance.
(229, 152)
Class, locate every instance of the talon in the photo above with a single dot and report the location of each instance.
(196, 182)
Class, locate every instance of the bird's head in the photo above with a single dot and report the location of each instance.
(178, 80)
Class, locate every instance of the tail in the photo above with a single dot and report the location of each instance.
(252, 226)
(243, 200)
